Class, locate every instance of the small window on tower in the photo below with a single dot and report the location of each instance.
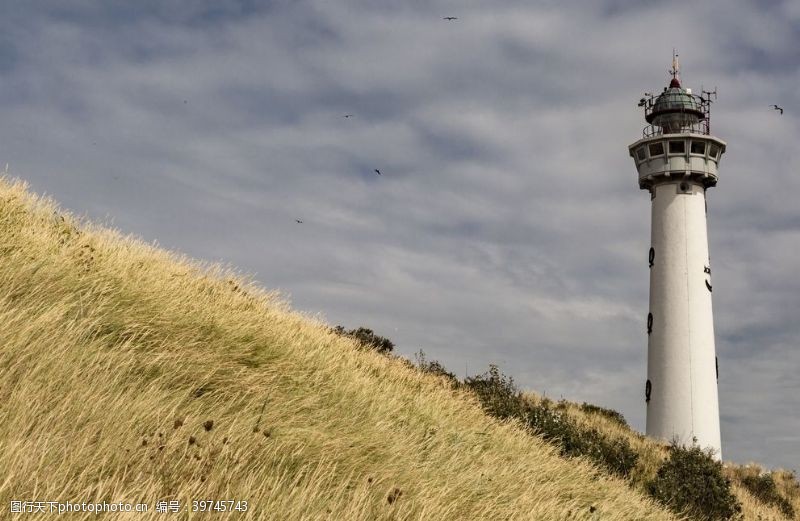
(713, 151)
(640, 153)
(677, 147)
(656, 149)
(699, 147)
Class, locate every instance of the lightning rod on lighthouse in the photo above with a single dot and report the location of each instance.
(678, 161)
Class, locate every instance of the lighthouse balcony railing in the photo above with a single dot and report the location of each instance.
(700, 127)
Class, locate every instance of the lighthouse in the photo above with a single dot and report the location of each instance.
(677, 159)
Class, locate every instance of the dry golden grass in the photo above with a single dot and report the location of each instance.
(115, 356)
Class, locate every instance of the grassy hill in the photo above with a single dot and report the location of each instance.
(130, 374)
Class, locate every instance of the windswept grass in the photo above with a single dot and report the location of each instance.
(131, 374)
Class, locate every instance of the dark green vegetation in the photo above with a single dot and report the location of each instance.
(500, 398)
(765, 490)
(367, 339)
(691, 481)
(435, 368)
(608, 413)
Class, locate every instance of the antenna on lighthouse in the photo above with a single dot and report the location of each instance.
(706, 100)
(676, 69)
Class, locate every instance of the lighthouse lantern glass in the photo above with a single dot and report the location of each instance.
(677, 147)
(656, 149)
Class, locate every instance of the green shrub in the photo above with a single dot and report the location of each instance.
(499, 397)
(367, 339)
(765, 490)
(497, 393)
(691, 482)
(434, 367)
(608, 413)
(787, 483)
(614, 455)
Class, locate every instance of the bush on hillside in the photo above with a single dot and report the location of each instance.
(765, 490)
(691, 482)
(553, 424)
(497, 393)
(608, 413)
(499, 397)
(367, 339)
(787, 484)
(435, 368)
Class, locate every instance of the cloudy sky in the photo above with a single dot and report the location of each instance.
(507, 226)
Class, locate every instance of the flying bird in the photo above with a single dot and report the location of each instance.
(777, 108)
(450, 18)
(377, 171)
(347, 116)
(298, 221)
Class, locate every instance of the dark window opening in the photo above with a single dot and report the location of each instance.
(699, 147)
(649, 323)
(651, 257)
(677, 147)
(656, 149)
(640, 153)
(716, 363)
(648, 389)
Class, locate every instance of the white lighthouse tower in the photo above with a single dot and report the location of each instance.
(678, 159)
